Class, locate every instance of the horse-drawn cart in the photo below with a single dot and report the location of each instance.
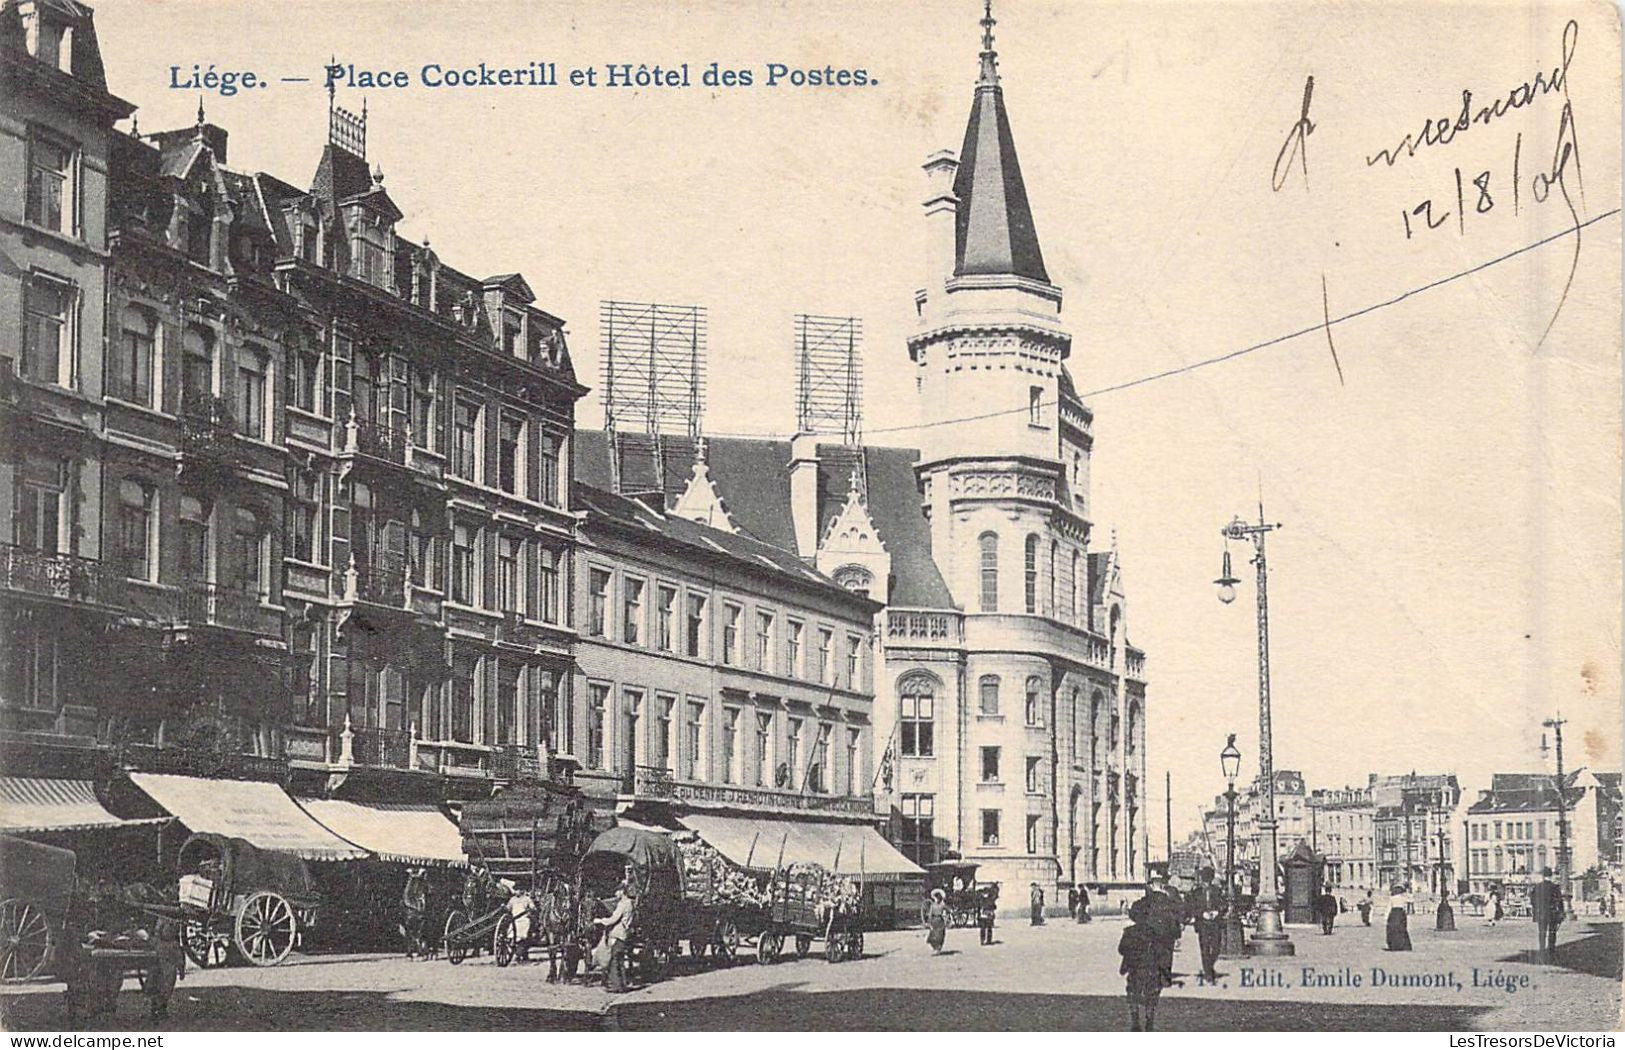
(241, 902)
(36, 891)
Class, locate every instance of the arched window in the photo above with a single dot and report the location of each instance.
(988, 695)
(1030, 573)
(1133, 723)
(1094, 728)
(989, 542)
(130, 377)
(197, 366)
(1077, 727)
(916, 727)
(1034, 710)
(855, 578)
(251, 545)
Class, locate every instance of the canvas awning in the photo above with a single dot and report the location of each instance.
(35, 804)
(399, 831)
(259, 813)
(762, 845)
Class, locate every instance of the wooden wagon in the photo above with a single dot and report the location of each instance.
(239, 902)
(36, 892)
(653, 871)
(802, 909)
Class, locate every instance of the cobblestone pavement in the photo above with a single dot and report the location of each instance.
(1060, 976)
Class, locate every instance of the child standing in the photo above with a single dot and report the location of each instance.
(1142, 966)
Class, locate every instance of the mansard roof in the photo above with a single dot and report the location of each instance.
(753, 476)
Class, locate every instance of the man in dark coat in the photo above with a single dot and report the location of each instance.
(1326, 909)
(1546, 904)
(1166, 919)
(1083, 905)
(1207, 914)
(1038, 904)
(1072, 902)
(1141, 953)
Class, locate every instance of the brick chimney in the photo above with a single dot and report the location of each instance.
(941, 217)
(804, 492)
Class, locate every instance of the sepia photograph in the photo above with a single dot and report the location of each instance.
(736, 516)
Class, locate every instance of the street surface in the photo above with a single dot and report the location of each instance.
(1057, 977)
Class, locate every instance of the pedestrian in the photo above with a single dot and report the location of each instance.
(987, 910)
(1038, 904)
(415, 906)
(1167, 921)
(1546, 905)
(1083, 904)
(1208, 909)
(1326, 904)
(936, 917)
(169, 966)
(1492, 907)
(1364, 908)
(617, 927)
(1072, 903)
(1141, 966)
(1399, 933)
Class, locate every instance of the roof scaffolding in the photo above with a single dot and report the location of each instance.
(829, 376)
(653, 366)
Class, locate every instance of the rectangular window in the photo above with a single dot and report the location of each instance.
(792, 751)
(549, 480)
(918, 725)
(550, 584)
(597, 703)
(730, 746)
(764, 642)
(130, 377)
(854, 652)
(990, 827)
(509, 569)
(47, 326)
(764, 750)
(818, 773)
(696, 644)
(508, 711)
(694, 745)
(423, 417)
(917, 834)
(632, 610)
(137, 527)
(510, 454)
(193, 524)
(305, 379)
(464, 672)
(1034, 769)
(1035, 405)
(666, 618)
(792, 648)
(1540, 828)
(251, 395)
(730, 634)
(1033, 828)
(632, 743)
(465, 440)
(304, 516)
(251, 559)
(826, 641)
(990, 572)
(197, 366)
(41, 494)
(50, 186)
(990, 765)
(598, 603)
(665, 742)
(1034, 703)
(462, 565)
(988, 696)
(1030, 574)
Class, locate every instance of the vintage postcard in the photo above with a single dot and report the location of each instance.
(586, 516)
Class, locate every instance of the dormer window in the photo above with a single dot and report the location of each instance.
(512, 328)
(369, 253)
(49, 40)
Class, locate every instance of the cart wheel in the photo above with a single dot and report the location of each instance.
(26, 940)
(728, 940)
(456, 951)
(697, 946)
(803, 945)
(205, 947)
(266, 928)
(503, 945)
(832, 948)
(855, 945)
(767, 947)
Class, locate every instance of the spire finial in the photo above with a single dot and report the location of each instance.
(200, 111)
(855, 487)
(990, 59)
(700, 451)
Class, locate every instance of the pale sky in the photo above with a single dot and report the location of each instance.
(1449, 573)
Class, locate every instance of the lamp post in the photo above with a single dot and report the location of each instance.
(1556, 726)
(1269, 936)
(1445, 921)
(1232, 940)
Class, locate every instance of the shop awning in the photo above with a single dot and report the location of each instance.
(762, 845)
(398, 831)
(261, 814)
(34, 804)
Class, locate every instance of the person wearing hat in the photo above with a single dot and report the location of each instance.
(1141, 951)
(1546, 905)
(1207, 910)
(987, 910)
(415, 905)
(936, 917)
(1399, 923)
(1166, 919)
(617, 927)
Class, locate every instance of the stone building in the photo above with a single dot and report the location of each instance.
(1292, 825)
(1342, 829)
(1512, 832)
(1413, 826)
(1009, 719)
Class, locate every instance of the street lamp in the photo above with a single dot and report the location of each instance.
(1232, 940)
(1445, 921)
(1269, 936)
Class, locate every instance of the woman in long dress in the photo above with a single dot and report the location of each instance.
(1399, 933)
(937, 918)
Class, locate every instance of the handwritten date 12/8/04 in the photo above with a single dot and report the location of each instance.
(1478, 194)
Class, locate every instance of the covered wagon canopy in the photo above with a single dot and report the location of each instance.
(259, 813)
(42, 804)
(409, 833)
(247, 869)
(37, 874)
(761, 845)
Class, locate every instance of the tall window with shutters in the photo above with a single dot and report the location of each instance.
(989, 547)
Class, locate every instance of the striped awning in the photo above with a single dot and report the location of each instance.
(35, 804)
(398, 831)
(762, 845)
(259, 813)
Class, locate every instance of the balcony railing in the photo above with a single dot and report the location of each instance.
(374, 746)
(66, 577)
(381, 580)
(654, 782)
(205, 762)
(208, 433)
(919, 627)
(377, 439)
(1134, 663)
(202, 601)
(517, 762)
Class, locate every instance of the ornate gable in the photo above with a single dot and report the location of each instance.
(700, 500)
(851, 551)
